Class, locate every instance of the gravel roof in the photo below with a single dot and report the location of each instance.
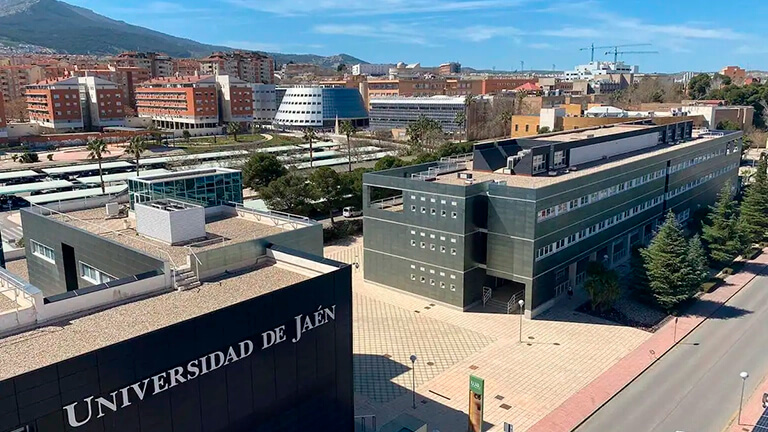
(221, 231)
(59, 341)
(6, 303)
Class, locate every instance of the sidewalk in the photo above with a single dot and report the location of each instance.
(753, 409)
(571, 413)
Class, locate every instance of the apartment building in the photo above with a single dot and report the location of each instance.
(521, 218)
(264, 102)
(102, 103)
(3, 122)
(159, 65)
(178, 103)
(398, 112)
(251, 67)
(236, 97)
(55, 104)
(184, 67)
(452, 68)
(127, 79)
(371, 69)
(735, 73)
(13, 79)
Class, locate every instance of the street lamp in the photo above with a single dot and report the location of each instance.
(744, 376)
(521, 303)
(413, 376)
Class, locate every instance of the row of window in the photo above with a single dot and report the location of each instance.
(433, 211)
(43, 251)
(433, 274)
(433, 247)
(699, 159)
(692, 184)
(596, 228)
(299, 112)
(301, 103)
(599, 195)
(87, 272)
(298, 121)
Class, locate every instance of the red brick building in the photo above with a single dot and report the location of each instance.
(251, 67)
(178, 103)
(55, 104)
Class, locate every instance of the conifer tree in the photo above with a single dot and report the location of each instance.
(668, 265)
(721, 231)
(697, 258)
(753, 222)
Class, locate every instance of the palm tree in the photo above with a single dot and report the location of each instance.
(136, 146)
(310, 136)
(96, 149)
(156, 133)
(233, 129)
(348, 128)
(506, 118)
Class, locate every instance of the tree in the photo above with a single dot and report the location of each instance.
(348, 128)
(310, 136)
(185, 133)
(136, 146)
(329, 189)
(261, 169)
(460, 119)
(16, 109)
(422, 132)
(697, 257)
(233, 129)
(668, 265)
(544, 129)
(728, 125)
(698, 86)
(97, 148)
(353, 181)
(50, 156)
(28, 157)
(389, 162)
(290, 193)
(753, 221)
(602, 285)
(341, 67)
(156, 134)
(506, 119)
(721, 230)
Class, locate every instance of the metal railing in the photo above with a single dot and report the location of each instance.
(366, 423)
(386, 203)
(445, 165)
(197, 260)
(277, 217)
(487, 294)
(11, 282)
(512, 303)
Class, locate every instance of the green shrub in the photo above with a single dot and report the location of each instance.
(710, 285)
(342, 229)
(727, 271)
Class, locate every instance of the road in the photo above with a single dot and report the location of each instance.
(696, 386)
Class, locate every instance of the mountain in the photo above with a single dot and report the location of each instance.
(71, 29)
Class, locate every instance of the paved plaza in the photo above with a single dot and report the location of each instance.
(562, 352)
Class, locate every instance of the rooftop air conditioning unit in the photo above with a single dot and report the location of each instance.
(552, 173)
(113, 209)
(590, 135)
(465, 175)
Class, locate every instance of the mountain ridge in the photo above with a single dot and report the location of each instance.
(76, 30)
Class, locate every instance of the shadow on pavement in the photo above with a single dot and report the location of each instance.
(373, 376)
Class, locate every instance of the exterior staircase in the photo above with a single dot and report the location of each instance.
(496, 306)
(185, 279)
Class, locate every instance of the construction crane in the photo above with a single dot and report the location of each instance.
(592, 48)
(616, 53)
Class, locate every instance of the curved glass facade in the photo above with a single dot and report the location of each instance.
(320, 107)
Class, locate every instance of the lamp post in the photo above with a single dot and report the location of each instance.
(744, 376)
(521, 303)
(413, 376)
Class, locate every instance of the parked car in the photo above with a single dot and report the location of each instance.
(350, 212)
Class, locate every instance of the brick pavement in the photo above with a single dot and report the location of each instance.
(586, 401)
(563, 351)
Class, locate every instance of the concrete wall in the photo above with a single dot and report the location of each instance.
(104, 254)
(612, 148)
(214, 262)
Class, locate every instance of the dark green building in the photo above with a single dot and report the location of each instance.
(521, 218)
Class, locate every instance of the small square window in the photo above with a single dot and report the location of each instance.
(453, 276)
(432, 282)
(423, 279)
(432, 271)
(431, 200)
(423, 198)
(453, 287)
(453, 240)
(442, 249)
(442, 274)
(413, 276)
(443, 213)
(442, 201)
(431, 246)
(413, 242)
(433, 211)
(424, 210)
(454, 215)
(413, 266)
(413, 208)
(423, 245)
(431, 236)
(413, 232)
(442, 284)
(453, 251)
(423, 234)
(422, 269)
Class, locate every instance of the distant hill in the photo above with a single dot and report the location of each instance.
(71, 29)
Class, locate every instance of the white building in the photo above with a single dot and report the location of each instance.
(598, 69)
(398, 112)
(264, 102)
(101, 102)
(371, 69)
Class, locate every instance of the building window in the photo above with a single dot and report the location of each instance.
(453, 251)
(517, 127)
(94, 275)
(559, 159)
(413, 277)
(423, 245)
(527, 127)
(433, 211)
(43, 252)
(454, 215)
(442, 249)
(413, 208)
(453, 287)
(423, 209)
(413, 242)
(539, 163)
(423, 279)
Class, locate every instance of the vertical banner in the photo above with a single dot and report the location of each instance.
(476, 390)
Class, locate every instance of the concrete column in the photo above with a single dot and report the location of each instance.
(572, 274)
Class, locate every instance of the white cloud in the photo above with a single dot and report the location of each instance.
(751, 49)
(367, 7)
(572, 32)
(481, 33)
(385, 31)
(541, 45)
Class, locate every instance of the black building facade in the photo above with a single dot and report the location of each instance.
(281, 361)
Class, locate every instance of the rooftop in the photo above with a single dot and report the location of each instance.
(68, 338)
(194, 173)
(581, 134)
(533, 182)
(189, 79)
(86, 167)
(220, 231)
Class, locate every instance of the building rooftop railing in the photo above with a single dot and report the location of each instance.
(278, 218)
(444, 165)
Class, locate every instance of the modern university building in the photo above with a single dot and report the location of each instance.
(320, 107)
(161, 319)
(521, 218)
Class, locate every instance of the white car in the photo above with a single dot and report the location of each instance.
(350, 212)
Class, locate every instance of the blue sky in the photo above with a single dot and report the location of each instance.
(700, 35)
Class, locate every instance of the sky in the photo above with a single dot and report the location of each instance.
(699, 35)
